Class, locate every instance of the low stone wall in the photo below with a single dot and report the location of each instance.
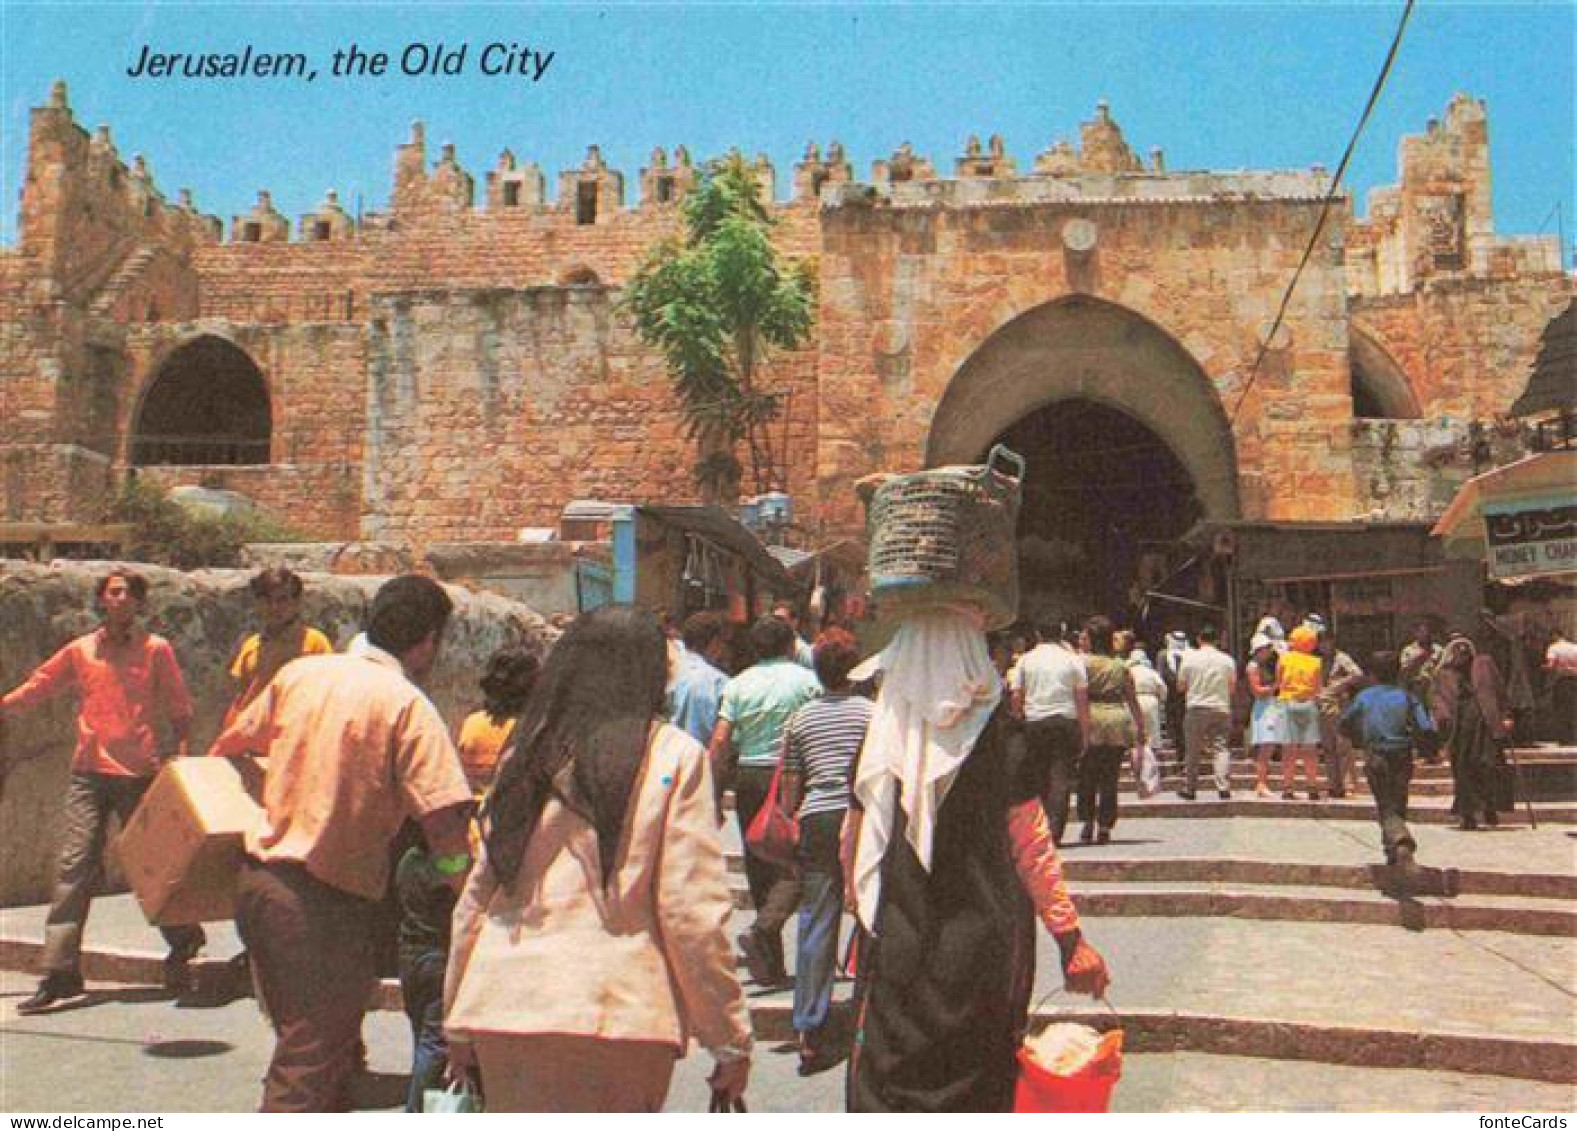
(205, 615)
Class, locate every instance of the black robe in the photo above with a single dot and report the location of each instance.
(947, 980)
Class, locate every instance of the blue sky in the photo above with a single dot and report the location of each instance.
(1216, 86)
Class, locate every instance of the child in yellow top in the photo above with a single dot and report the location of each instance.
(1298, 683)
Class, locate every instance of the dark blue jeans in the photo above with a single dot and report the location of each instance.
(422, 987)
(821, 905)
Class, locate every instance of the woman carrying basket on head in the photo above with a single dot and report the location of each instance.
(953, 862)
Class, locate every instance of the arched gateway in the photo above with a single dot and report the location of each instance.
(1126, 439)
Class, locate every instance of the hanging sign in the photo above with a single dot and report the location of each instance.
(1527, 537)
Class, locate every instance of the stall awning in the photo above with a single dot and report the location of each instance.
(1521, 518)
(717, 526)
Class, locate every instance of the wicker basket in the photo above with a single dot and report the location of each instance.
(946, 536)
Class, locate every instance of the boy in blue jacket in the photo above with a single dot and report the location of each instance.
(1390, 725)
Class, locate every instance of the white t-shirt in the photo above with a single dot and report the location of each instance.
(1048, 675)
(1206, 675)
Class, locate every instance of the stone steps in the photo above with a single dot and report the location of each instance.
(1259, 989)
(1424, 810)
(1244, 783)
(1434, 904)
(1082, 872)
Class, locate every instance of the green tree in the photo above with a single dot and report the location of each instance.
(716, 302)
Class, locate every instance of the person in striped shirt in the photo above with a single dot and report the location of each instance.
(820, 744)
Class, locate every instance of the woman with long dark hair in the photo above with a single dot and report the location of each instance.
(589, 942)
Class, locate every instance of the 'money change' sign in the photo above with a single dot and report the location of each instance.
(1531, 536)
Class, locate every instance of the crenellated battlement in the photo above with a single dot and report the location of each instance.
(1438, 222)
(439, 191)
(84, 208)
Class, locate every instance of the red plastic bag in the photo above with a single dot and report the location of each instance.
(1087, 1089)
(773, 835)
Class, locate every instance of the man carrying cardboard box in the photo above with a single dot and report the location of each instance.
(128, 683)
(353, 747)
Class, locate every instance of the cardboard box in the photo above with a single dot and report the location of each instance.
(182, 848)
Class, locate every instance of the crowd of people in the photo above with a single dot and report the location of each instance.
(1092, 697)
(558, 863)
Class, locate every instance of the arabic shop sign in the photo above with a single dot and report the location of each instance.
(1531, 536)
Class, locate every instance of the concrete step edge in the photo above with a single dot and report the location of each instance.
(1164, 1030)
(1376, 910)
(1206, 869)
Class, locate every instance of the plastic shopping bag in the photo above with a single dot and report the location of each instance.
(456, 1099)
(1068, 1068)
(1146, 770)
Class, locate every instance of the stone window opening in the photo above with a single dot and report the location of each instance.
(581, 277)
(252, 232)
(665, 190)
(586, 202)
(511, 194)
(817, 180)
(207, 405)
(322, 230)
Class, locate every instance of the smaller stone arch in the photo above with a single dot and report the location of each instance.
(1380, 389)
(580, 276)
(206, 404)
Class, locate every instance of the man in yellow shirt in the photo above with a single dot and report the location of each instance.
(276, 593)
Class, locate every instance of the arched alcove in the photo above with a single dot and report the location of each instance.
(1380, 390)
(206, 404)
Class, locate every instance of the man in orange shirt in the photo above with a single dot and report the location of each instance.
(128, 683)
(282, 635)
(353, 747)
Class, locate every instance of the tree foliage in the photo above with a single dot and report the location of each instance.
(716, 303)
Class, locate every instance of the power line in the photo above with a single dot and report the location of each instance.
(1325, 208)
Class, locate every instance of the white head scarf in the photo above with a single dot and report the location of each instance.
(939, 689)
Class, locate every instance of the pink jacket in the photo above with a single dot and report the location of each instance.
(646, 959)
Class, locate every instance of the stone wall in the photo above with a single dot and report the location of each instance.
(1466, 345)
(554, 393)
(205, 615)
(454, 367)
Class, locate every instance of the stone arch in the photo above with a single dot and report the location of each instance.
(206, 403)
(580, 276)
(1083, 348)
(1380, 389)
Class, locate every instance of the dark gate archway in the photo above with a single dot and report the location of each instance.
(1104, 501)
